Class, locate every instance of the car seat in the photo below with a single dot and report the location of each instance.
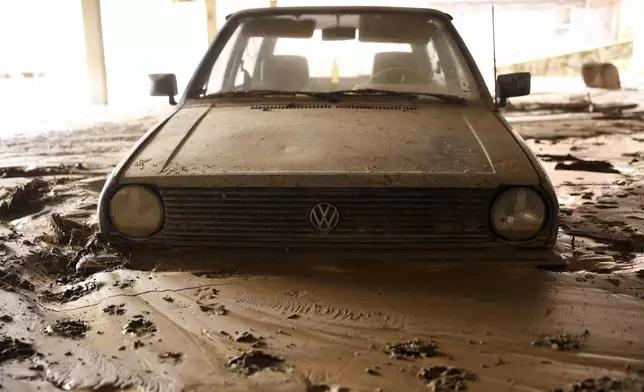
(387, 60)
(285, 73)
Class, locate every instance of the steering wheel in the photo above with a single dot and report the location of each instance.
(398, 75)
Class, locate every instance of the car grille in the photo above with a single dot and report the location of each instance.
(369, 217)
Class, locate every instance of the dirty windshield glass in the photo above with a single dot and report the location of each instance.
(411, 53)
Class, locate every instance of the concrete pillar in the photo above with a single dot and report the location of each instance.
(638, 38)
(211, 13)
(95, 51)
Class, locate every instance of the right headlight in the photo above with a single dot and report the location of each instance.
(136, 211)
(518, 214)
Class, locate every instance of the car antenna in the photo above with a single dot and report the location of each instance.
(496, 98)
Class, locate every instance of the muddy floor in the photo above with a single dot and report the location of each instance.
(77, 314)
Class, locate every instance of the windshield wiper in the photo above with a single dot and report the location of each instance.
(264, 93)
(372, 91)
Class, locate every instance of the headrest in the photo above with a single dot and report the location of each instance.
(289, 73)
(386, 60)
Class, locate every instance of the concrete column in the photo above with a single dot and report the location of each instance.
(211, 13)
(638, 38)
(95, 51)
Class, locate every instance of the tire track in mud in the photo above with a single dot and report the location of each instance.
(294, 307)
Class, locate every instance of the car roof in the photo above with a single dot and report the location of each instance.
(333, 9)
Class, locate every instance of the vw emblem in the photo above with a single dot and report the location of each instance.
(324, 217)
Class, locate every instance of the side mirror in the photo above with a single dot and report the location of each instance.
(164, 85)
(512, 85)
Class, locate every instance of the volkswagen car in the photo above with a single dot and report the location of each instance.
(333, 128)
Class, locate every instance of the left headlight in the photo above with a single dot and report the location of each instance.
(136, 211)
(518, 214)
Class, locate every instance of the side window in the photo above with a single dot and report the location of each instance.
(434, 59)
(249, 60)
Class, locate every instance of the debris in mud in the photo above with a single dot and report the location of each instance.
(444, 378)
(371, 372)
(5, 318)
(254, 361)
(115, 310)
(168, 298)
(71, 294)
(138, 344)
(293, 317)
(563, 342)
(138, 326)
(14, 349)
(90, 264)
(68, 232)
(247, 337)
(578, 164)
(68, 328)
(216, 309)
(174, 358)
(24, 200)
(603, 384)
(640, 274)
(413, 349)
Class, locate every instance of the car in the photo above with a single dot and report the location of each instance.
(334, 128)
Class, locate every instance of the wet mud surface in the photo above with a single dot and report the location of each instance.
(168, 320)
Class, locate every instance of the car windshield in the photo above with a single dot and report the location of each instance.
(349, 54)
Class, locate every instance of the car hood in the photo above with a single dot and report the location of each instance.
(333, 144)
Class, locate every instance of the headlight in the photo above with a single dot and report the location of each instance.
(136, 211)
(518, 214)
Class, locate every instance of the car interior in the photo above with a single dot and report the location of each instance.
(391, 70)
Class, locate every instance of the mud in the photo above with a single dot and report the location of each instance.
(140, 327)
(327, 316)
(11, 348)
(41, 171)
(444, 378)
(69, 328)
(254, 361)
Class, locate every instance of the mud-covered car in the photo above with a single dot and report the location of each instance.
(334, 127)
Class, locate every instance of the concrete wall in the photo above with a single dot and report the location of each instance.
(569, 64)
